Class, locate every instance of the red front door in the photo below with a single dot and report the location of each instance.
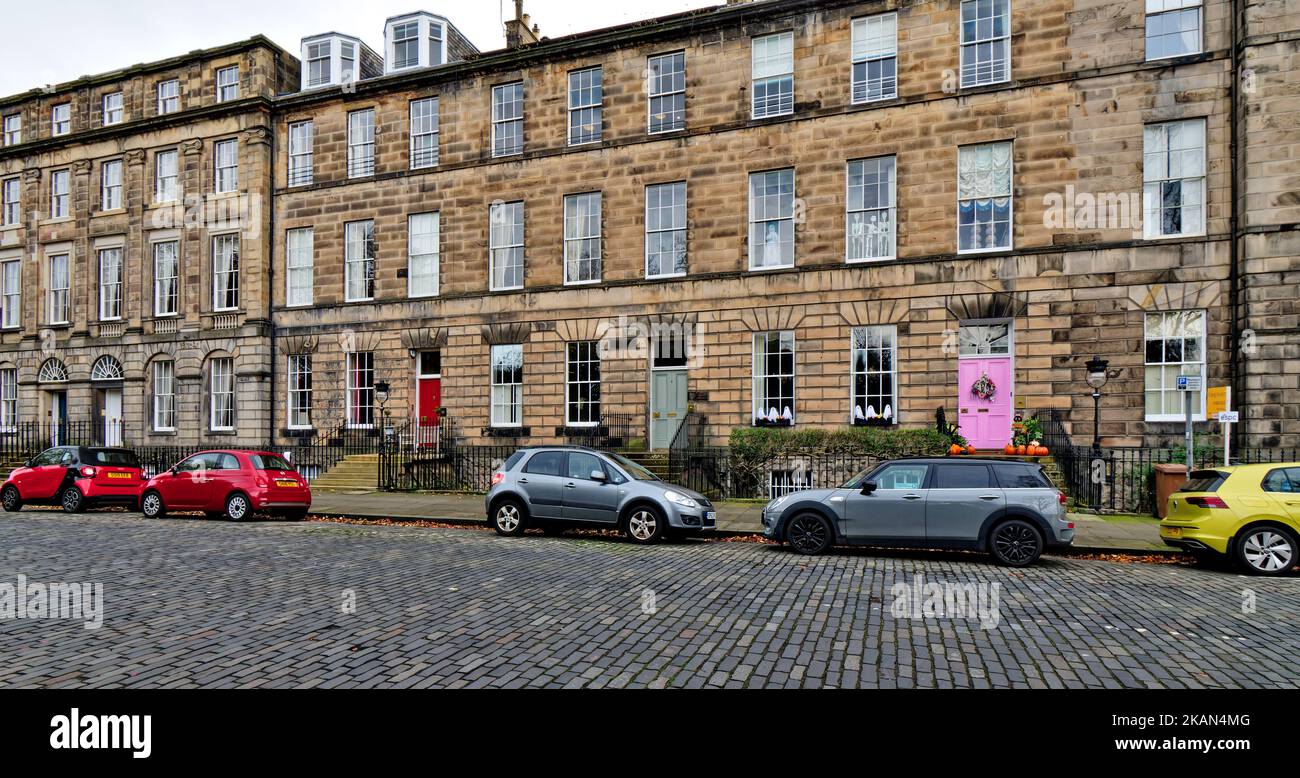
(985, 422)
(430, 400)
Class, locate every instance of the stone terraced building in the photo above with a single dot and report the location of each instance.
(779, 213)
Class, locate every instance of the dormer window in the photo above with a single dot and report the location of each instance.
(417, 40)
(333, 59)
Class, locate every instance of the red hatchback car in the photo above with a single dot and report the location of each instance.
(230, 483)
(76, 477)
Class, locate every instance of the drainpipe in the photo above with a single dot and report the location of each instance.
(1234, 274)
(270, 271)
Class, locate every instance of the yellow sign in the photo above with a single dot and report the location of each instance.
(1217, 400)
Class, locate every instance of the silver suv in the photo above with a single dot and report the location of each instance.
(1005, 507)
(556, 487)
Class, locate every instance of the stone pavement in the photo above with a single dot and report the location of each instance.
(734, 516)
(195, 602)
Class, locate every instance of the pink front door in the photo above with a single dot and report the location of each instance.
(986, 424)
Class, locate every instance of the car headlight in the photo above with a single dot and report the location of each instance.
(678, 498)
(773, 505)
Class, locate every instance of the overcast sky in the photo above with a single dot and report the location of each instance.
(96, 36)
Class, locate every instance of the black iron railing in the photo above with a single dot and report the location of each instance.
(614, 430)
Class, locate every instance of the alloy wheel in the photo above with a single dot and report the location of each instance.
(1016, 543)
(151, 505)
(808, 534)
(642, 524)
(237, 507)
(508, 518)
(10, 498)
(71, 499)
(1267, 550)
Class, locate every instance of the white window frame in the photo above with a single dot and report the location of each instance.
(1009, 195)
(771, 64)
(9, 399)
(114, 109)
(110, 185)
(500, 119)
(503, 243)
(300, 267)
(756, 219)
(60, 200)
(227, 84)
(422, 249)
(579, 236)
(164, 396)
(298, 377)
(1198, 404)
(302, 139)
(856, 204)
(311, 59)
(359, 255)
(361, 143)
(11, 293)
(423, 114)
(221, 384)
(977, 43)
(225, 166)
(1162, 11)
(584, 356)
(586, 95)
(862, 340)
(359, 365)
(60, 120)
(663, 86)
(60, 297)
(169, 96)
(166, 302)
(225, 275)
(761, 376)
(875, 39)
(112, 282)
(412, 41)
(11, 204)
(13, 129)
(507, 412)
(1160, 160)
(654, 224)
(166, 186)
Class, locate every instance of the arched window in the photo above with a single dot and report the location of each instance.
(106, 369)
(52, 371)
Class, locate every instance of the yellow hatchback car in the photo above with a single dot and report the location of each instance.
(1250, 513)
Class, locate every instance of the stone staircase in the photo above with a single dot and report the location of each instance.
(356, 473)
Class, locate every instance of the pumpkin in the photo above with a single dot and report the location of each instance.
(1010, 450)
(1020, 450)
(970, 449)
(1042, 451)
(954, 450)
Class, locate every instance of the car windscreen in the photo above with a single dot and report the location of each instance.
(633, 469)
(112, 457)
(1204, 481)
(269, 462)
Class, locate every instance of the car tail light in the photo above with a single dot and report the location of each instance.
(88, 472)
(1060, 497)
(498, 477)
(1207, 502)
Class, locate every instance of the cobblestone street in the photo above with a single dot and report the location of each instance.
(191, 602)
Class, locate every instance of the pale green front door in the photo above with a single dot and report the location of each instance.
(667, 405)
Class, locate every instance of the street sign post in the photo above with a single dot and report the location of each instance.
(1219, 403)
(1189, 385)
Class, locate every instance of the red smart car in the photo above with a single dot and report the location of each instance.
(230, 483)
(76, 477)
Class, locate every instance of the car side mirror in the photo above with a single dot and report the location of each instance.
(28, 463)
(868, 487)
(598, 475)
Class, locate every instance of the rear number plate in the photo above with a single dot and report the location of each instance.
(285, 482)
(1171, 532)
(119, 475)
(711, 516)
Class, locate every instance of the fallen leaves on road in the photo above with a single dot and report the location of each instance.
(397, 523)
(1129, 559)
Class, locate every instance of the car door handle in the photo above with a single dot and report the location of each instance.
(522, 481)
(570, 485)
(988, 496)
(911, 497)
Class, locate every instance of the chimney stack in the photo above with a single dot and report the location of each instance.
(518, 32)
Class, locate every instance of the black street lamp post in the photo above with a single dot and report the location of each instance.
(381, 394)
(1096, 379)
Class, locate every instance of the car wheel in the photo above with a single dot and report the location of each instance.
(644, 525)
(508, 518)
(1016, 543)
(809, 533)
(73, 500)
(151, 505)
(1266, 550)
(11, 499)
(237, 507)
